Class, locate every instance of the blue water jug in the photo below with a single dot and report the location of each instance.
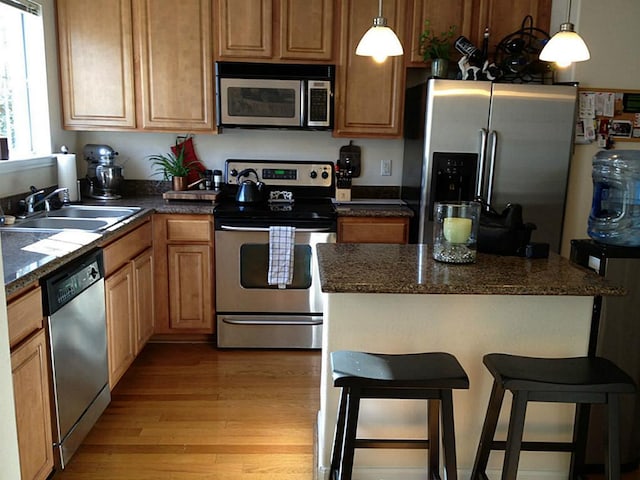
(615, 210)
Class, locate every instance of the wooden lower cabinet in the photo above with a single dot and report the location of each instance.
(129, 298)
(120, 297)
(30, 371)
(184, 280)
(373, 230)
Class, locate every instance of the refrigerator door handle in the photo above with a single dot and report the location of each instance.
(481, 160)
(493, 136)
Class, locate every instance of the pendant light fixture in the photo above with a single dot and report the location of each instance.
(379, 41)
(566, 46)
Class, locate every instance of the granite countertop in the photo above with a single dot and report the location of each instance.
(386, 268)
(373, 208)
(22, 267)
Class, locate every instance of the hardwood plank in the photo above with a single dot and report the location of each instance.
(190, 411)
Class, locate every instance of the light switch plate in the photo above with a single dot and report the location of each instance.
(385, 168)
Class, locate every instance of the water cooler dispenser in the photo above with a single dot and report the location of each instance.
(614, 252)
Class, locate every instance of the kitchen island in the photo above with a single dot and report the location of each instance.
(397, 299)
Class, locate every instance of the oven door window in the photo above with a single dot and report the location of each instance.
(254, 266)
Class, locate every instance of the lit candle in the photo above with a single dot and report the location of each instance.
(456, 229)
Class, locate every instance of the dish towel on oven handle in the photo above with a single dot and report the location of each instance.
(281, 247)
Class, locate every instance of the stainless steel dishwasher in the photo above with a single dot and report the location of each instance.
(75, 306)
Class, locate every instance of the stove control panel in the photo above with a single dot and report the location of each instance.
(283, 172)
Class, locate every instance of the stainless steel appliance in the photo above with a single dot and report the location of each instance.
(104, 176)
(275, 95)
(74, 305)
(617, 338)
(251, 312)
(507, 143)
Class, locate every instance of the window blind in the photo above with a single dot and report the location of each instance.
(25, 6)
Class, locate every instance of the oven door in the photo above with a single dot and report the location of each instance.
(242, 264)
(253, 314)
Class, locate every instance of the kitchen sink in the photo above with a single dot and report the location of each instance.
(92, 211)
(90, 218)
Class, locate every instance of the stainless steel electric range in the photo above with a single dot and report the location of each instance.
(251, 311)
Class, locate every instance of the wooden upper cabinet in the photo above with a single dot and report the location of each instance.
(244, 29)
(306, 29)
(504, 17)
(275, 30)
(176, 64)
(136, 64)
(441, 15)
(369, 95)
(96, 64)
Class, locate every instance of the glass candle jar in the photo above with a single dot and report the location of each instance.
(455, 231)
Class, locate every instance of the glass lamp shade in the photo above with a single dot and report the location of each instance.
(565, 47)
(379, 42)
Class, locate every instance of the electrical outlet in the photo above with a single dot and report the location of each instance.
(385, 168)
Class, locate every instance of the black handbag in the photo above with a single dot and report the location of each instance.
(503, 233)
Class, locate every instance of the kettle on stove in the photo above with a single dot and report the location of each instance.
(248, 190)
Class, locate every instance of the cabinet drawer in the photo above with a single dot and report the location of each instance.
(125, 248)
(25, 315)
(373, 230)
(189, 229)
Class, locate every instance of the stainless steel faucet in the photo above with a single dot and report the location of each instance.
(31, 203)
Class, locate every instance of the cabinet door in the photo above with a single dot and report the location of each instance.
(245, 29)
(119, 293)
(190, 287)
(144, 306)
(373, 230)
(441, 15)
(306, 29)
(504, 17)
(96, 64)
(176, 64)
(29, 365)
(369, 95)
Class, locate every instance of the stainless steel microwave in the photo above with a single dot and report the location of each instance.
(263, 95)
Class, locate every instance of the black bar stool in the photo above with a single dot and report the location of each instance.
(581, 380)
(426, 376)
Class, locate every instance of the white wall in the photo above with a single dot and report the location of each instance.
(610, 30)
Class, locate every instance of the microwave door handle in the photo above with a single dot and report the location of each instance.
(493, 137)
(230, 228)
(482, 157)
(303, 102)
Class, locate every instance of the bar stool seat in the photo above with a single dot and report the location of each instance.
(426, 376)
(580, 380)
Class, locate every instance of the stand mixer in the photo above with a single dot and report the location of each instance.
(104, 176)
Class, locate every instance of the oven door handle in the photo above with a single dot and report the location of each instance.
(266, 321)
(229, 228)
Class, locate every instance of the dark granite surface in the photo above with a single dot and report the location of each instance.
(378, 268)
(373, 210)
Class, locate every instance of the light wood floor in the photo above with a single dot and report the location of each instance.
(189, 411)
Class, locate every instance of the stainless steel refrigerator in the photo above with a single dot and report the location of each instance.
(506, 143)
(616, 336)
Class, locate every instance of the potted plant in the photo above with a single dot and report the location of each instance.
(437, 48)
(172, 167)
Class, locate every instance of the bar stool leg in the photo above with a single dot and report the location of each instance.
(514, 437)
(580, 429)
(488, 432)
(338, 438)
(448, 435)
(351, 426)
(433, 434)
(612, 463)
